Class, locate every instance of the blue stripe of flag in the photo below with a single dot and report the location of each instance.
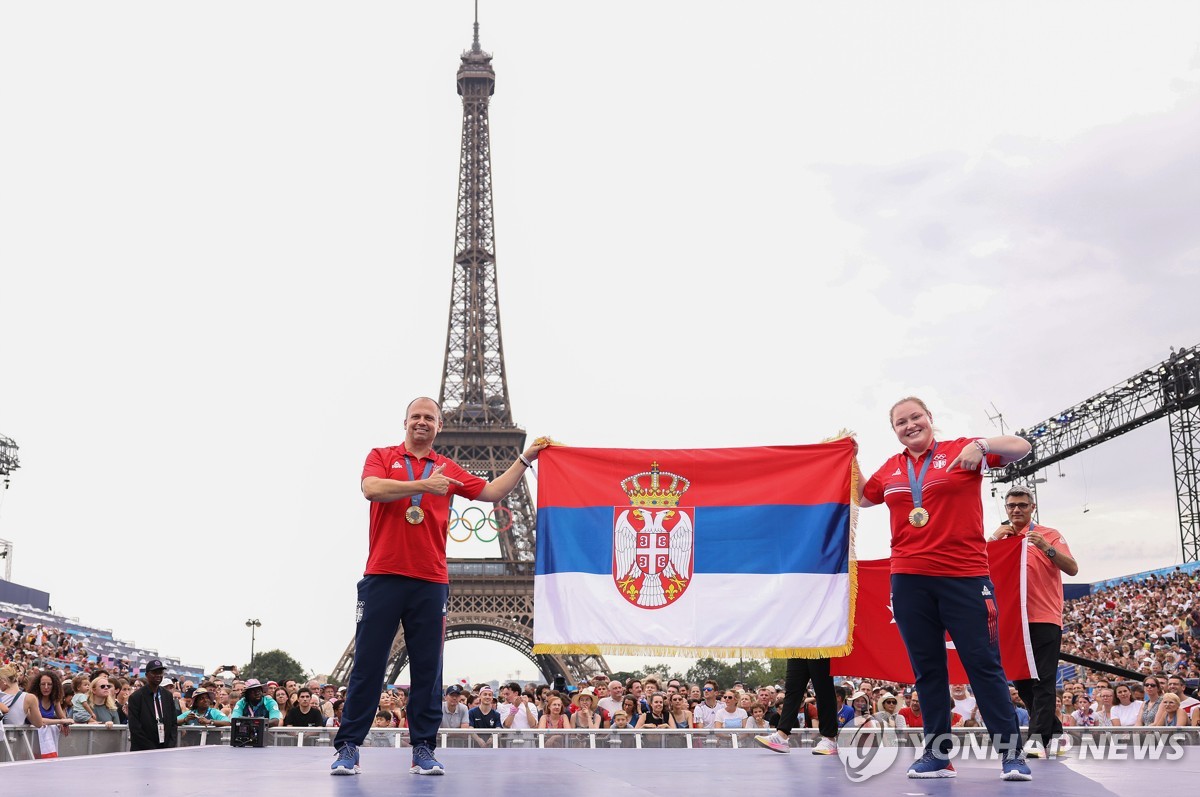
(729, 539)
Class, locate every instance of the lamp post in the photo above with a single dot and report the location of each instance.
(252, 625)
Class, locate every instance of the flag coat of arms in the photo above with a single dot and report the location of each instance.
(879, 651)
(701, 552)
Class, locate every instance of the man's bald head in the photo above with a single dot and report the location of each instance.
(408, 409)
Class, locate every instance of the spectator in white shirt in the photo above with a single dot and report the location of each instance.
(612, 703)
(730, 714)
(1127, 711)
(518, 712)
(705, 715)
(963, 703)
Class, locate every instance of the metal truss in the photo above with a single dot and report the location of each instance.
(1170, 389)
(8, 456)
(1185, 443)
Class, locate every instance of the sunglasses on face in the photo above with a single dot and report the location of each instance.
(1022, 505)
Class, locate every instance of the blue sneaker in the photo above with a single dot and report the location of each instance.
(423, 762)
(931, 765)
(347, 761)
(1015, 768)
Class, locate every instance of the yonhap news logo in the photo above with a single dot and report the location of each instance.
(1147, 745)
(866, 752)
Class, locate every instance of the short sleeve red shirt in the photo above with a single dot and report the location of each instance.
(398, 547)
(952, 542)
(1043, 579)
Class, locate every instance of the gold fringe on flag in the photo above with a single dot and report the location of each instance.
(712, 652)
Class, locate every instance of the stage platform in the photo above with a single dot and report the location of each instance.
(217, 771)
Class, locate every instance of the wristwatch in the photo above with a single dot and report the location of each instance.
(1051, 553)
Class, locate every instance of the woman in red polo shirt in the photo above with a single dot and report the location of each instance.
(940, 580)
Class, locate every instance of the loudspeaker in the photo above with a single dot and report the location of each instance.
(248, 732)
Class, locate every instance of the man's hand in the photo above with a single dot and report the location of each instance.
(438, 483)
(532, 452)
(1003, 532)
(1038, 540)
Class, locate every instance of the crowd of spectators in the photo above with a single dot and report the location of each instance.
(1149, 626)
(646, 704)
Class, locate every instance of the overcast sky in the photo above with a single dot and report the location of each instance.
(226, 232)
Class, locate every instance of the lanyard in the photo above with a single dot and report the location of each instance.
(158, 711)
(416, 499)
(917, 481)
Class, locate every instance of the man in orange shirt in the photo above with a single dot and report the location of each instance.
(1044, 598)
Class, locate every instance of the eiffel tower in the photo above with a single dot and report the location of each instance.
(489, 598)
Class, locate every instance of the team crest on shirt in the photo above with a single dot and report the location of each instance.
(652, 539)
(939, 461)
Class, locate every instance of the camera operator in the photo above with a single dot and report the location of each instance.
(202, 712)
(255, 704)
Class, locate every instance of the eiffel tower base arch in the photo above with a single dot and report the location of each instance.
(498, 608)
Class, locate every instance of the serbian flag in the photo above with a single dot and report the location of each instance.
(880, 653)
(699, 552)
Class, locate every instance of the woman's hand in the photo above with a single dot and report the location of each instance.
(968, 459)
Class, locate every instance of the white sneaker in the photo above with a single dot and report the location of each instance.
(776, 741)
(825, 747)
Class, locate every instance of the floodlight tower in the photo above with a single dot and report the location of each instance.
(1170, 389)
(8, 463)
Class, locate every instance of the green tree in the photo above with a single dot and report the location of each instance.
(273, 665)
(752, 672)
(662, 671)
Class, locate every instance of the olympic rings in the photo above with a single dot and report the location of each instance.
(454, 518)
(499, 518)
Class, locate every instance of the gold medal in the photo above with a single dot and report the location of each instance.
(414, 514)
(919, 516)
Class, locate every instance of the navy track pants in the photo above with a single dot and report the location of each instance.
(384, 603)
(925, 608)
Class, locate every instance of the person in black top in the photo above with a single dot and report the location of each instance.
(304, 714)
(152, 716)
(485, 715)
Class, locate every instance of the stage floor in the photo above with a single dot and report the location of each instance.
(215, 771)
(286, 772)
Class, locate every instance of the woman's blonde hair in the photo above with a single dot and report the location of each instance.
(109, 701)
(913, 399)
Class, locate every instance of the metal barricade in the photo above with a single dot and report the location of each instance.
(21, 743)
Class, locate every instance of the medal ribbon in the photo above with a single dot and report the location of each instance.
(416, 499)
(915, 482)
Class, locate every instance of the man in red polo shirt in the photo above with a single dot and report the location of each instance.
(1044, 599)
(411, 488)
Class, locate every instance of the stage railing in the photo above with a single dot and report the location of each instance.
(21, 743)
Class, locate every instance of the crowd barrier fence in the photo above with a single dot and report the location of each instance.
(21, 743)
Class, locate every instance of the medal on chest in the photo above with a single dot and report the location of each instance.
(415, 514)
(919, 516)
